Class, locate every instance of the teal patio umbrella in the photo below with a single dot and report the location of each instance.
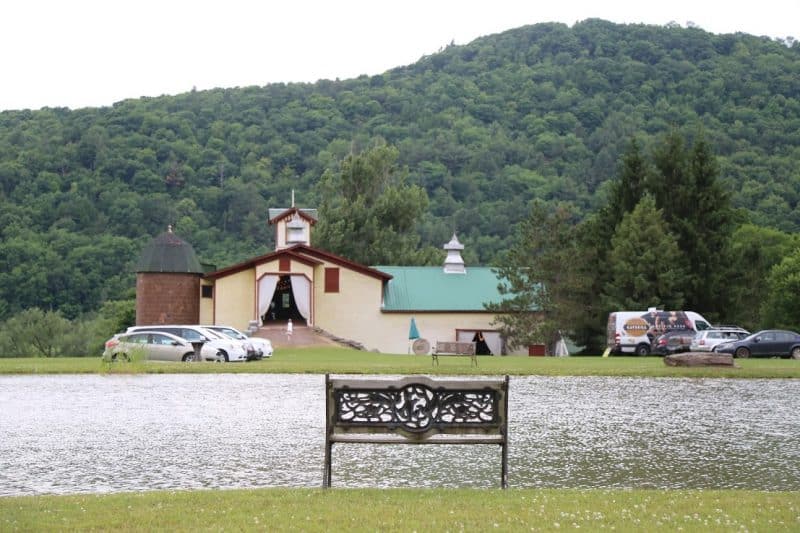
(413, 332)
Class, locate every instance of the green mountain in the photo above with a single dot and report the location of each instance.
(542, 111)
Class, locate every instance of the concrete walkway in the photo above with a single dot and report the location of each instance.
(301, 336)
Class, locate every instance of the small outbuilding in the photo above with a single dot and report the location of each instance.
(168, 278)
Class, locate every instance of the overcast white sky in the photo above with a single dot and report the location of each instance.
(80, 53)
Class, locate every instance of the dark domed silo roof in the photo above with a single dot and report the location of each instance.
(168, 253)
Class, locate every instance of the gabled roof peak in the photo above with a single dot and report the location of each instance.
(278, 214)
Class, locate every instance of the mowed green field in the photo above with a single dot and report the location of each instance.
(334, 360)
(409, 510)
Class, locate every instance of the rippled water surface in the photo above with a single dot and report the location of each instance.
(72, 434)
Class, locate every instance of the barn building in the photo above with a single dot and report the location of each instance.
(371, 306)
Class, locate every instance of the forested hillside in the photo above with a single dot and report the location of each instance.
(539, 112)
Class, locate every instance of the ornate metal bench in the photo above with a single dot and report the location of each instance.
(454, 348)
(416, 410)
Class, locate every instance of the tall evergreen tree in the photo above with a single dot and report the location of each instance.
(671, 183)
(631, 185)
(712, 221)
(595, 235)
(541, 282)
(645, 264)
(697, 210)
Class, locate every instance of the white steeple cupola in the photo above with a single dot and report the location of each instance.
(296, 231)
(292, 225)
(453, 263)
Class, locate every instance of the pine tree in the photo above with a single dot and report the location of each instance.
(541, 281)
(645, 264)
(711, 217)
(595, 235)
(697, 211)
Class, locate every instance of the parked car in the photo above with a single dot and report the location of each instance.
(214, 348)
(707, 340)
(673, 342)
(766, 343)
(262, 346)
(150, 345)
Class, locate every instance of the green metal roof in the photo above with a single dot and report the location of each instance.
(430, 289)
(168, 253)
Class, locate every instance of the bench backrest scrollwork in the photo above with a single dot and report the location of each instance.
(416, 410)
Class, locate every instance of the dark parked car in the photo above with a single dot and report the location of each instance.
(767, 343)
(673, 342)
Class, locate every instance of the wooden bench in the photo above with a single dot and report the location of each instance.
(454, 348)
(416, 410)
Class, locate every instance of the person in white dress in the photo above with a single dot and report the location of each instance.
(289, 329)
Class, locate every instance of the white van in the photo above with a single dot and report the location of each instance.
(634, 331)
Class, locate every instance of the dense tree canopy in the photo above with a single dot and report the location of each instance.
(368, 212)
(781, 307)
(539, 112)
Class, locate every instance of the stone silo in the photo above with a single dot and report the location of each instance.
(168, 282)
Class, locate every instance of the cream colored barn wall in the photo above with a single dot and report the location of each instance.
(354, 314)
(270, 267)
(235, 299)
(306, 270)
(273, 267)
(351, 311)
(354, 311)
(390, 333)
(207, 306)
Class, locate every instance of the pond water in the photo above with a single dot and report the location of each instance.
(95, 434)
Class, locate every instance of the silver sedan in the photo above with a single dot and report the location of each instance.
(149, 345)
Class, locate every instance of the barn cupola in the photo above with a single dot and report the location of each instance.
(292, 225)
(453, 263)
(168, 282)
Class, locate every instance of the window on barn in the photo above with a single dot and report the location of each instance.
(331, 280)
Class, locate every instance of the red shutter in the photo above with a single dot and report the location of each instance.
(284, 264)
(331, 280)
(536, 349)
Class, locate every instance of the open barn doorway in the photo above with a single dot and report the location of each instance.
(284, 304)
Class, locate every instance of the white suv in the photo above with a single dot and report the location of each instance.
(262, 346)
(215, 347)
(708, 339)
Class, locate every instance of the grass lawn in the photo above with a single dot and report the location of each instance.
(407, 510)
(321, 360)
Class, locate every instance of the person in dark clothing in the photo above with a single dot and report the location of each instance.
(481, 348)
